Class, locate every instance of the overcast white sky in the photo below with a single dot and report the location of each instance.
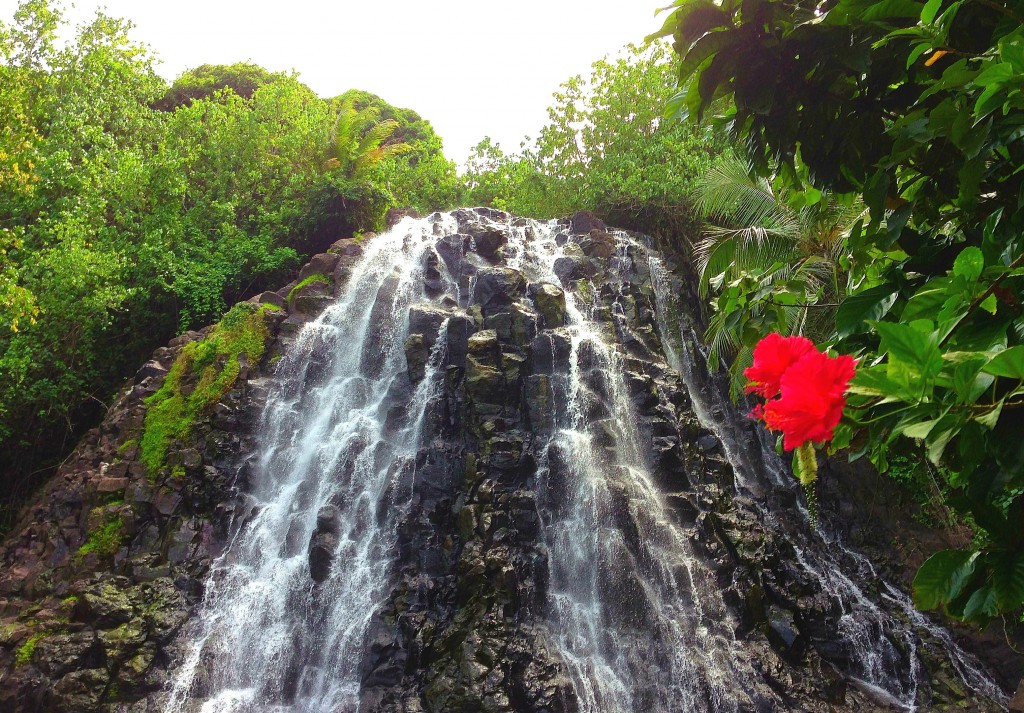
(471, 68)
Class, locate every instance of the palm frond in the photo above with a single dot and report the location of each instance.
(376, 135)
(744, 358)
(730, 196)
(713, 257)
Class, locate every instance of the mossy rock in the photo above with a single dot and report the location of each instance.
(202, 374)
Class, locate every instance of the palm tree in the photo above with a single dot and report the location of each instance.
(358, 140)
(754, 231)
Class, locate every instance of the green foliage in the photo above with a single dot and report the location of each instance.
(419, 177)
(130, 211)
(105, 540)
(605, 149)
(207, 80)
(318, 277)
(360, 139)
(770, 265)
(210, 368)
(26, 650)
(915, 108)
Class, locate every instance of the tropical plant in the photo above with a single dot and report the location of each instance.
(768, 265)
(916, 107)
(359, 138)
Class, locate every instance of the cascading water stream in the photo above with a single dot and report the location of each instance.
(884, 646)
(638, 618)
(635, 611)
(269, 638)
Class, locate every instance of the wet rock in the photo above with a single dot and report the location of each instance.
(322, 264)
(550, 301)
(498, 287)
(598, 244)
(574, 267)
(549, 351)
(394, 216)
(709, 443)
(460, 327)
(584, 221)
(322, 547)
(489, 243)
(151, 368)
(346, 248)
(1017, 703)
(416, 355)
(311, 299)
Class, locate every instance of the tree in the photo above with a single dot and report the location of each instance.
(771, 266)
(359, 139)
(605, 149)
(206, 80)
(916, 107)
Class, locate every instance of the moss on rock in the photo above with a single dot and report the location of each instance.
(209, 368)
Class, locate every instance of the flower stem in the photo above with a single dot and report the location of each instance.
(805, 467)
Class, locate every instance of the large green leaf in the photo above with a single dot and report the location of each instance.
(917, 349)
(928, 300)
(1009, 363)
(942, 577)
(969, 264)
(981, 605)
(1008, 580)
(702, 49)
(871, 304)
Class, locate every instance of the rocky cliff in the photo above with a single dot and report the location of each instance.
(562, 489)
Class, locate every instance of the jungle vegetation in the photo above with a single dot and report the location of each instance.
(131, 210)
(847, 170)
(903, 118)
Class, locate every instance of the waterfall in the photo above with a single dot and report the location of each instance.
(880, 635)
(634, 606)
(638, 618)
(328, 469)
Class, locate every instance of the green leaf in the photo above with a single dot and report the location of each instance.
(920, 429)
(994, 79)
(990, 304)
(1008, 580)
(871, 304)
(917, 349)
(942, 577)
(990, 418)
(929, 11)
(968, 383)
(892, 9)
(874, 381)
(928, 300)
(1008, 363)
(981, 605)
(691, 20)
(701, 50)
(969, 264)
(940, 437)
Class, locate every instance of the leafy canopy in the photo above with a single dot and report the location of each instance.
(915, 108)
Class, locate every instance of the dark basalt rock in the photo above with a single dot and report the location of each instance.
(584, 221)
(465, 626)
(322, 546)
(498, 287)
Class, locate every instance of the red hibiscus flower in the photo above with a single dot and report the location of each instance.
(812, 400)
(773, 356)
(803, 387)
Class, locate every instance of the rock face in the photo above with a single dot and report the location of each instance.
(101, 592)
